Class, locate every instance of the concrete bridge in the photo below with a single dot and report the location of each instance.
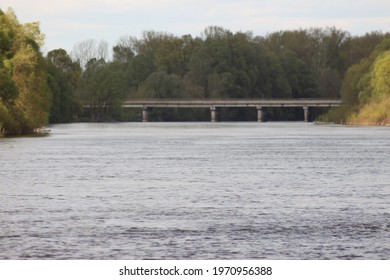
(216, 104)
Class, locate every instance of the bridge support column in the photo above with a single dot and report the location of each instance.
(260, 114)
(146, 112)
(306, 113)
(215, 114)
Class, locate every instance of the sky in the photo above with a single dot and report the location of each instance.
(68, 22)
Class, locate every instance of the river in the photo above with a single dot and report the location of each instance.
(196, 191)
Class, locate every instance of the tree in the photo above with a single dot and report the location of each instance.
(102, 89)
(86, 50)
(161, 85)
(321, 49)
(24, 96)
(356, 48)
(169, 53)
(380, 77)
(138, 69)
(233, 65)
(365, 89)
(350, 89)
(215, 32)
(8, 89)
(124, 52)
(34, 99)
(301, 80)
(63, 76)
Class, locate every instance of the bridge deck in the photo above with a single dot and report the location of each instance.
(207, 103)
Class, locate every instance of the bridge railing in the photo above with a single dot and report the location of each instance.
(204, 103)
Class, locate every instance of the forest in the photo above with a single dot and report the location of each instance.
(37, 88)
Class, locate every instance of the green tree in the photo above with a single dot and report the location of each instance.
(233, 65)
(63, 76)
(374, 95)
(356, 48)
(138, 69)
(34, 99)
(25, 98)
(169, 53)
(124, 52)
(365, 89)
(321, 49)
(301, 80)
(8, 89)
(162, 85)
(103, 89)
(380, 77)
(351, 83)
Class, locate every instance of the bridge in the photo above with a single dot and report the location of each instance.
(216, 104)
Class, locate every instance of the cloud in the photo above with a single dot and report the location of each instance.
(67, 7)
(68, 22)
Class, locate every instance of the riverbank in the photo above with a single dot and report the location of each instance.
(384, 123)
(373, 113)
(40, 132)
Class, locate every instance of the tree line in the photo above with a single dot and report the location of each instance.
(305, 63)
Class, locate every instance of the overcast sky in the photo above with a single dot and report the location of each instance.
(67, 22)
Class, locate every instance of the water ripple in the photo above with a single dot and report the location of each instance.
(196, 191)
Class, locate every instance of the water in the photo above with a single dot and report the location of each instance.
(196, 191)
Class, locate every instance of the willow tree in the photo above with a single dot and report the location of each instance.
(380, 80)
(29, 75)
(25, 102)
(376, 108)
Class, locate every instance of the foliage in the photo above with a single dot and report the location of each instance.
(299, 77)
(233, 66)
(137, 70)
(374, 96)
(123, 52)
(380, 78)
(305, 63)
(34, 97)
(8, 90)
(25, 98)
(161, 85)
(101, 88)
(372, 113)
(63, 76)
(366, 88)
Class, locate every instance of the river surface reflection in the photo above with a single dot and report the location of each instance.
(196, 191)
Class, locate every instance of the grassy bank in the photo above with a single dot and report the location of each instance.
(373, 113)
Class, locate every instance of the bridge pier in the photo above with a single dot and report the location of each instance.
(260, 114)
(306, 113)
(215, 113)
(146, 112)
